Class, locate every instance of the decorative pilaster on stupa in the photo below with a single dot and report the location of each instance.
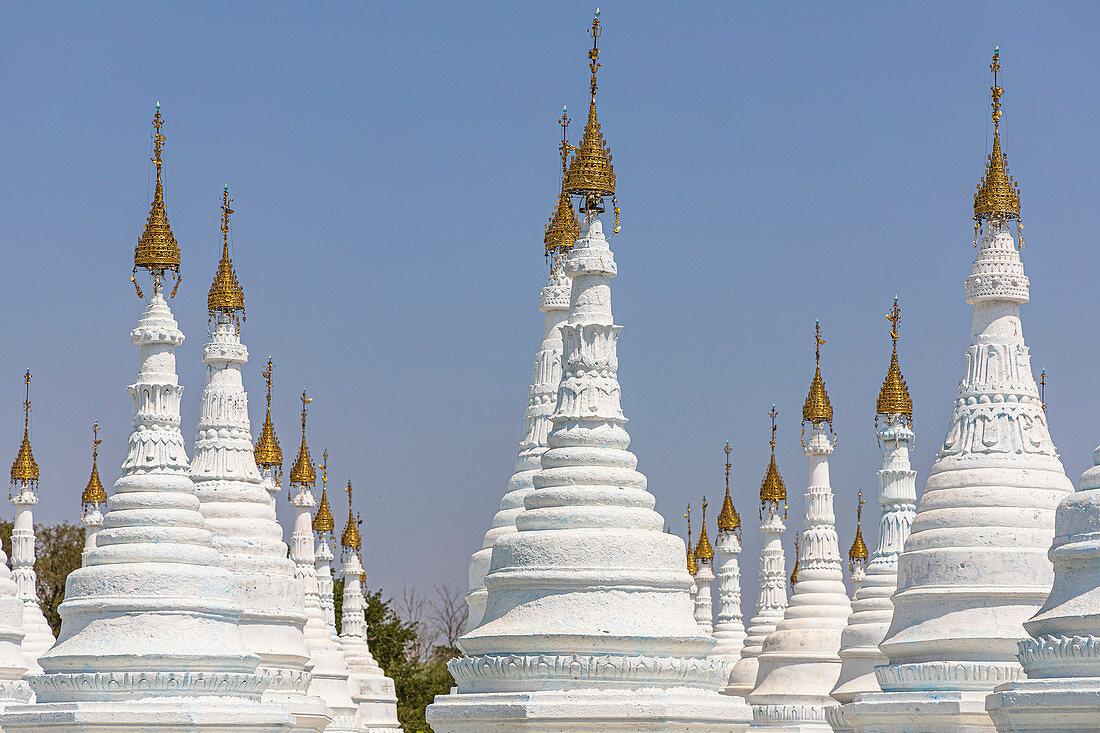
(372, 691)
(704, 576)
(149, 632)
(588, 623)
(872, 608)
(92, 500)
(729, 629)
(238, 508)
(562, 231)
(268, 454)
(858, 553)
(330, 669)
(772, 600)
(324, 527)
(37, 634)
(800, 661)
(975, 567)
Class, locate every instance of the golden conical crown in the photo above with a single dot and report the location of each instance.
(303, 472)
(692, 567)
(157, 249)
(772, 488)
(24, 471)
(93, 492)
(817, 408)
(858, 551)
(591, 172)
(893, 397)
(794, 570)
(563, 228)
(998, 194)
(351, 537)
(226, 294)
(704, 550)
(267, 452)
(728, 518)
(322, 520)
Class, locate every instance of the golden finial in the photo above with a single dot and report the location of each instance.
(692, 567)
(893, 397)
(351, 537)
(998, 194)
(858, 552)
(157, 250)
(93, 492)
(226, 294)
(772, 488)
(794, 571)
(267, 452)
(303, 471)
(591, 174)
(728, 518)
(703, 550)
(817, 408)
(1043, 389)
(322, 520)
(563, 229)
(24, 471)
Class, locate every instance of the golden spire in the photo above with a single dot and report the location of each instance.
(24, 471)
(591, 174)
(322, 520)
(703, 550)
(794, 571)
(1043, 388)
(858, 552)
(93, 492)
(226, 294)
(563, 229)
(998, 194)
(817, 408)
(893, 397)
(303, 472)
(157, 250)
(728, 518)
(268, 453)
(692, 567)
(772, 488)
(351, 539)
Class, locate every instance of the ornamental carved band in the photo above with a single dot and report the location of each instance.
(1064, 656)
(946, 675)
(122, 685)
(590, 671)
(590, 387)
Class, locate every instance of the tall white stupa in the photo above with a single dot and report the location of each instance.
(37, 634)
(238, 509)
(149, 627)
(92, 500)
(729, 629)
(872, 608)
(324, 526)
(975, 567)
(772, 598)
(588, 624)
(562, 231)
(372, 691)
(13, 667)
(800, 662)
(704, 577)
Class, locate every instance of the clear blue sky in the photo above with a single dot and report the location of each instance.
(393, 166)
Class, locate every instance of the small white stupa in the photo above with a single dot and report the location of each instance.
(872, 608)
(800, 662)
(92, 500)
(975, 567)
(772, 599)
(857, 555)
(729, 630)
(13, 667)
(704, 576)
(561, 232)
(330, 669)
(324, 526)
(268, 452)
(588, 624)
(238, 509)
(37, 634)
(371, 689)
(149, 627)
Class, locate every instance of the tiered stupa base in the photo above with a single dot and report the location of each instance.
(922, 711)
(1057, 705)
(159, 715)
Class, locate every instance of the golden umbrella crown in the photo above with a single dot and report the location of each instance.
(267, 451)
(226, 294)
(817, 408)
(93, 492)
(893, 396)
(998, 194)
(24, 470)
(157, 250)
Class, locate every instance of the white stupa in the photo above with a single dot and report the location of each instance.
(772, 599)
(857, 557)
(975, 567)
(872, 608)
(324, 526)
(704, 577)
(588, 624)
(561, 232)
(330, 669)
(149, 627)
(729, 629)
(239, 511)
(372, 691)
(13, 667)
(800, 661)
(37, 634)
(92, 500)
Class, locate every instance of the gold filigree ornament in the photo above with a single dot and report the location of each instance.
(817, 409)
(704, 552)
(303, 472)
(794, 570)
(93, 492)
(998, 194)
(728, 518)
(323, 520)
(157, 250)
(893, 396)
(857, 553)
(562, 229)
(24, 470)
(692, 567)
(772, 489)
(267, 451)
(350, 539)
(226, 296)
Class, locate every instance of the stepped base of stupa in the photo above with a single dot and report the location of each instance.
(794, 717)
(590, 711)
(377, 701)
(840, 718)
(1058, 705)
(921, 711)
(149, 715)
